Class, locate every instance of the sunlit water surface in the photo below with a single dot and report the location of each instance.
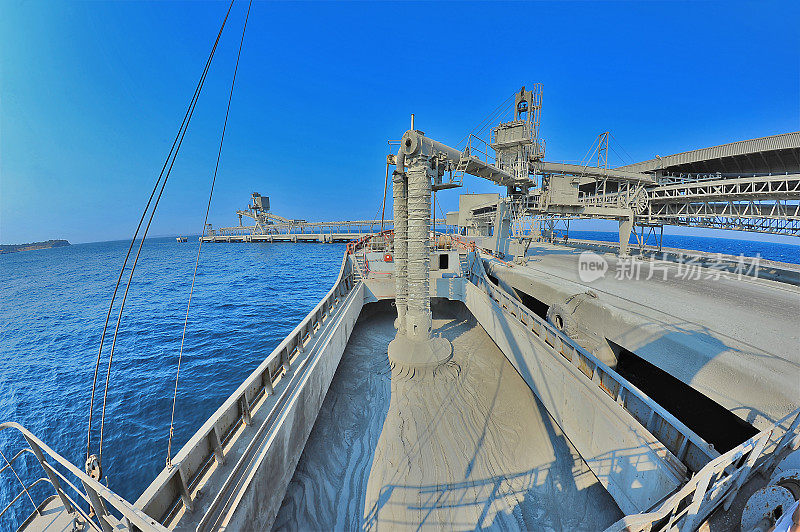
(53, 303)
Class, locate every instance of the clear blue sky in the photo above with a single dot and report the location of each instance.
(91, 95)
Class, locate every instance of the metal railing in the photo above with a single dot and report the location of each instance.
(690, 449)
(717, 478)
(479, 148)
(175, 484)
(675, 178)
(96, 501)
(717, 484)
(372, 242)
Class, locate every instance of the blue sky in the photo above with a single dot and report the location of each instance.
(91, 95)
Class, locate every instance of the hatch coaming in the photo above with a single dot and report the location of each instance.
(465, 446)
(740, 352)
(640, 451)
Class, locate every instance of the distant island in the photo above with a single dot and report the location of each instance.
(47, 244)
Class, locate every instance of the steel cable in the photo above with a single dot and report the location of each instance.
(487, 120)
(171, 155)
(630, 159)
(125, 262)
(205, 221)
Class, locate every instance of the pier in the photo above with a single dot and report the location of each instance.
(269, 227)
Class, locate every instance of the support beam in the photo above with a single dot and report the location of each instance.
(625, 226)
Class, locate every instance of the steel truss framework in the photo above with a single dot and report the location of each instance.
(337, 227)
(538, 189)
(782, 186)
(764, 204)
(755, 225)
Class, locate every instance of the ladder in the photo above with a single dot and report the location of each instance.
(361, 270)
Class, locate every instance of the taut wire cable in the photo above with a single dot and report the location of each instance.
(171, 155)
(487, 119)
(125, 262)
(205, 221)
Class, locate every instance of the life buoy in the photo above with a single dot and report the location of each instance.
(387, 257)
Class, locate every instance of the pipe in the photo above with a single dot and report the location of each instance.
(400, 209)
(545, 167)
(418, 319)
(414, 143)
(413, 344)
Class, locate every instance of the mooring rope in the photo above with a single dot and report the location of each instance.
(170, 155)
(205, 221)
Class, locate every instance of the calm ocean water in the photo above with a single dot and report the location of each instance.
(766, 250)
(247, 298)
(53, 303)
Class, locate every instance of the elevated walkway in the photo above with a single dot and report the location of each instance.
(301, 231)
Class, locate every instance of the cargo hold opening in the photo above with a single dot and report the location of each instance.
(535, 305)
(707, 418)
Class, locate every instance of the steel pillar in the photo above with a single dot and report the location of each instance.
(625, 226)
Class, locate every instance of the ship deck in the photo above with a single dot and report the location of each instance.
(465, 447)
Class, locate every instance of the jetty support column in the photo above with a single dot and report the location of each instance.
(625, 226)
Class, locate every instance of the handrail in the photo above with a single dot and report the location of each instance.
(94, 489)
(14, 458)
(209, 442)
(466, 245)
(483, 150)
(356, 245)
(24, 490)
(716, 483)
(684, 445)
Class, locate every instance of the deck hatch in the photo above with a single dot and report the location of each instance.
(710, 420)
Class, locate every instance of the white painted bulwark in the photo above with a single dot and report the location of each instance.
(234, 471)
(260, 497)
(630, 463)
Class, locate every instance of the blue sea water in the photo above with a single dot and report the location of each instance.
(247, 298)
(727, 246)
